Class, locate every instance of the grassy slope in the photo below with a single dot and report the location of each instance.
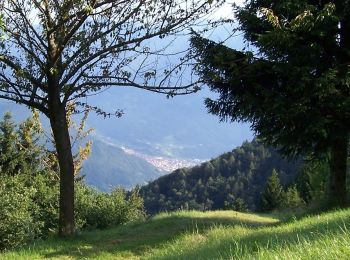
(211, 235)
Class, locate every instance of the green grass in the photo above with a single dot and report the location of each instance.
(211, 235)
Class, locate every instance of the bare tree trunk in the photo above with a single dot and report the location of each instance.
(338, 165)
(60, 131)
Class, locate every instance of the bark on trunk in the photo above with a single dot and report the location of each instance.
(338, 164)
(60, 131)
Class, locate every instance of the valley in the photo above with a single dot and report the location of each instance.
(155, 136)
(166, 164)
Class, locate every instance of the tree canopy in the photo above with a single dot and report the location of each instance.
(57, 51)
(293, 83)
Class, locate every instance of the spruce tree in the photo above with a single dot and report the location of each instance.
(9, 156)
(304, 186)
(312, 181)
(292, 198)
(20, 148)
(239, 205)
(273, 195)
(293, 84)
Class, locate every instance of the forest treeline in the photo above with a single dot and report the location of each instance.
(237, 180)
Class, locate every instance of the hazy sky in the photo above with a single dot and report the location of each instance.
(226, 10)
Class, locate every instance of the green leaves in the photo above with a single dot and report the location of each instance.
(17, 225)
(96, 209)
(20, 151)
(2, 27)
(271, 17)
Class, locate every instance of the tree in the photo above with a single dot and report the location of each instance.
(57, 51)
(9, 161)
(2, 26)
(293, 86)
(78, 133)
(304, 186)
(273, 194)
(239, 205)
(312, 181)
(21, 151)
(292, 198)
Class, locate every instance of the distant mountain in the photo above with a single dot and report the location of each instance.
(233, 178)
(178, 127)
(109, 166)
(185, 133)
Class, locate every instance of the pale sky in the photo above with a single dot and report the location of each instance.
(226, 10)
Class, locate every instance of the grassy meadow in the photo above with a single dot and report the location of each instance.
(209, 235)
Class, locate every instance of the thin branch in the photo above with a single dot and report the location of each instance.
(18, 69)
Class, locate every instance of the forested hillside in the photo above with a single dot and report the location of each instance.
(233, 180)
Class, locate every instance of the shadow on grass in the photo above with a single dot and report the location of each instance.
(135, 239)
(271, 238)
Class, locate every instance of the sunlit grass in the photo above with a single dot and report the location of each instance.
(210, 235)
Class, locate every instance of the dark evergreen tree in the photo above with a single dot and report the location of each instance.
(304, 186)
(292, 198)
(294, 84)
(312, 181)
(239, 205)
(273, 194)
(20, 149)
(9, 157)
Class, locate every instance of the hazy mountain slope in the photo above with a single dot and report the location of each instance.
(152, 124)
(109, 166)
(177, 127)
